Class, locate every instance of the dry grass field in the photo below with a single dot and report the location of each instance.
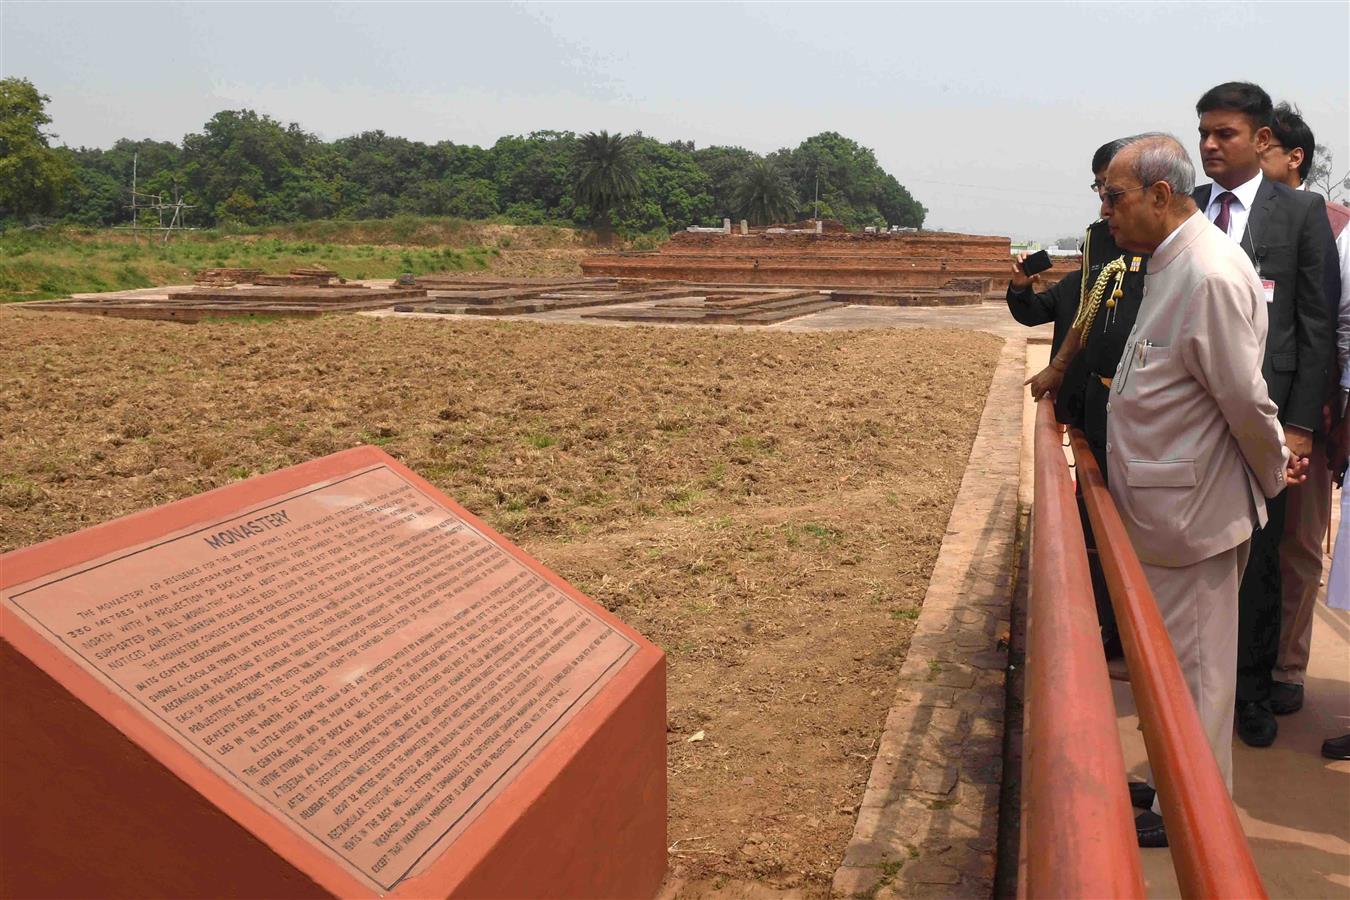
(766, 506)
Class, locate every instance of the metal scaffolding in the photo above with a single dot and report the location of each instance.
(156, 203)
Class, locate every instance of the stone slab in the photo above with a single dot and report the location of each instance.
(697, 305)
(864, 297)
(300, 294)
(327, 680)
(200, 303)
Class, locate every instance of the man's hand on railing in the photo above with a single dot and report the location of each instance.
(1046, 382)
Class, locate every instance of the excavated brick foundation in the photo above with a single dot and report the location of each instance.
(918, 260)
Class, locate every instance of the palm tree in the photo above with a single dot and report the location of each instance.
(764, 194)
(606, 177)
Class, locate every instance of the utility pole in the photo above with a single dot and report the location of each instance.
(135, 237)
(816, 214)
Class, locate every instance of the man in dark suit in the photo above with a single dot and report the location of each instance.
(1285, 235)
(1308, 512)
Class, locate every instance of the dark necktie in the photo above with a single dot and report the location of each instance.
(1222, 219)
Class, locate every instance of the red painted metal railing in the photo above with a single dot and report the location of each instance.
(1209, 850)
(1077, 826)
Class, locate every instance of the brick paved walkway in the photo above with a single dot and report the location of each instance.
(928, 824)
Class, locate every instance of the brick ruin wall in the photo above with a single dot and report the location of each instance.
(910, 259)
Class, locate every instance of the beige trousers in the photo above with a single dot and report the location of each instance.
(1307, 513)
(1198, 604)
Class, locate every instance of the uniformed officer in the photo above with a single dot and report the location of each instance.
(1108, 304)
(1102, 307)
(1121, 292)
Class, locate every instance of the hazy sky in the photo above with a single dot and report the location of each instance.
(987, 112)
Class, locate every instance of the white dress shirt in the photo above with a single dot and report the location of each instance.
(1237, 209)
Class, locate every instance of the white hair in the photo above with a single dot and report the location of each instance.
(1162, 158)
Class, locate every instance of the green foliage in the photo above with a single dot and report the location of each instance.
(33, 176)
(606, 175)
(672, 192)
(245, 170)
(853, 186)
(764, 194)
(724, 167)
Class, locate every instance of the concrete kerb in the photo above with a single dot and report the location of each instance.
(928, 822)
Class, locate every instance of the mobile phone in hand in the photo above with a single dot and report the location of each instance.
(1036, 263)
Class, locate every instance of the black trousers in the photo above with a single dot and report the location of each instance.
(1259, 609)
(1095, 396)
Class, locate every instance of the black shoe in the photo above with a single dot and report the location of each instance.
(1256, 725)
(1337, 748)
(1148, 827)
(1286, 698)
(1141, 795)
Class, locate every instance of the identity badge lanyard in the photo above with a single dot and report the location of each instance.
(1267, 284)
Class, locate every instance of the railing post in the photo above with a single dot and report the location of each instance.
(1078, 827)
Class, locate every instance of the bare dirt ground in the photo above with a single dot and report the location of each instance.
(555, 261)
(766, 506)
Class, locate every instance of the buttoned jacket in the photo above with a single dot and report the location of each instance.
(1193, 443)
(1287, 238)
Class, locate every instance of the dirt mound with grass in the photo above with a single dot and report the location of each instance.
(48, 264)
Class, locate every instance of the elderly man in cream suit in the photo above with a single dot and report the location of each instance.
(1193, 443)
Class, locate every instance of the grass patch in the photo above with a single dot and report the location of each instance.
(540, 441)
(821, 532)
(681, 500)
(57, 262)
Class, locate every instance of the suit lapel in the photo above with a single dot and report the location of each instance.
(1257, 219)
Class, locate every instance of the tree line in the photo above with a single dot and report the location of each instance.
(250, 169)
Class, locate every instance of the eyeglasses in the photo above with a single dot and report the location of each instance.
(1097, 187)
(1112, 197)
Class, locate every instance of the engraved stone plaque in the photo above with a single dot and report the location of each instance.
(365, 663)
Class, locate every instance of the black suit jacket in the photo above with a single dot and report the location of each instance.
(1287, 239)
(1059, 304)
